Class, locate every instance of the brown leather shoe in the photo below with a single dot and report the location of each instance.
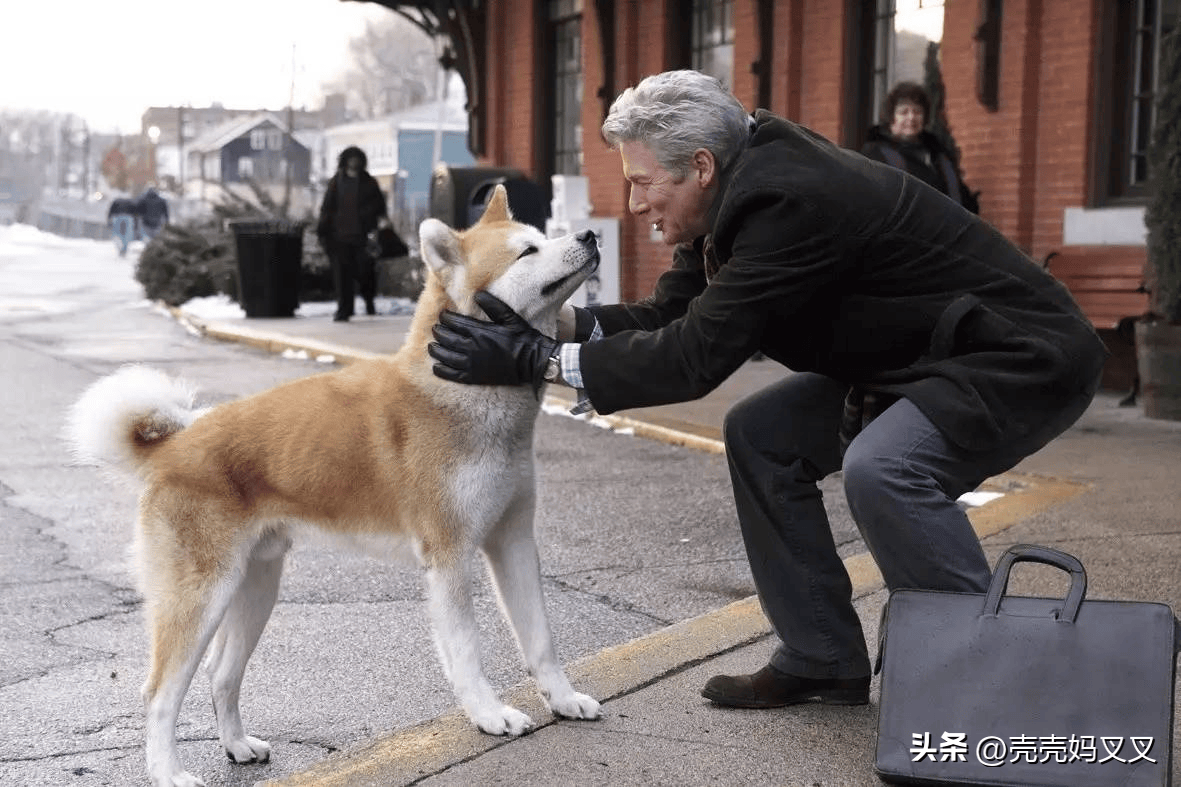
(770, 688)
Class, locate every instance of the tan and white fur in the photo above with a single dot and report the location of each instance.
(380, 451)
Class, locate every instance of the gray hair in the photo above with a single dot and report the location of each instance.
(674, 114)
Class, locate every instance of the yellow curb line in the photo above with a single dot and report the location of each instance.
(270, 341)
(277, 343)
(1024, 496)
(640, 428)
(407, 755)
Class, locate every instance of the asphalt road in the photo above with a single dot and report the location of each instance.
(634, 535)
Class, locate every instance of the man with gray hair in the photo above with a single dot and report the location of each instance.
(927, 353)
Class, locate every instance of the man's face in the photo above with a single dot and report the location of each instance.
(679, 209)
(352, 165)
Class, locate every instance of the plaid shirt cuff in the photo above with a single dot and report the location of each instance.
(569, 356)
(571, 369)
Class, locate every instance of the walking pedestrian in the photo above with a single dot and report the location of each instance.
(353, 209)
(153, 213)
(122, 217)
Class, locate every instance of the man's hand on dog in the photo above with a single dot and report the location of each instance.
(506, 351)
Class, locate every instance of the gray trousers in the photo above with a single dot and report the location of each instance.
(901, 478)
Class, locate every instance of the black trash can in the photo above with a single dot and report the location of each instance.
(458, 195)
(269, 262)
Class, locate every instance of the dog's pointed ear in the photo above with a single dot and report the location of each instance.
(497, 209)
(439, 245)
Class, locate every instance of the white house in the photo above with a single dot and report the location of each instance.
(402, 150)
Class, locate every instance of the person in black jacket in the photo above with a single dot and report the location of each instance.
(902, 141)
(122, 217)
(927, 354)
(352, 211)
(152, 210)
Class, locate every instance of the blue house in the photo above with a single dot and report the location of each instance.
(401, 153)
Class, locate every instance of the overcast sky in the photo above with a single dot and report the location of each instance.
(109, 60)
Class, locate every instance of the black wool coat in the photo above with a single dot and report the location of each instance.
(371, 206)
(835, 264)
(925, 158)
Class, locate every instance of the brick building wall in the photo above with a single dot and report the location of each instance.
(821, 75)
(1031, 158)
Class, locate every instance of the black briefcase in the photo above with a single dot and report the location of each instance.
(990, 689)
(390, 244)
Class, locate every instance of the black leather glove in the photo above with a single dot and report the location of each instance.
(506, 351)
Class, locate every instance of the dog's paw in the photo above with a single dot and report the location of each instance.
(164, 775)
(505, 720)
(576, 706)
(247, 749)
(182, 779)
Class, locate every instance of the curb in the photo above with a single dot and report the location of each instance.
(409, 755)
(268, 340)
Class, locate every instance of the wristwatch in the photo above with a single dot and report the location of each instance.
(553, 369)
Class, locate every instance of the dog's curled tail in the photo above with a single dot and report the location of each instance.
(121, 417)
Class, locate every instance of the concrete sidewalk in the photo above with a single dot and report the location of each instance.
(1106, 492)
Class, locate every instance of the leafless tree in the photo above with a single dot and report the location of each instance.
(33, 146)
(394, 66)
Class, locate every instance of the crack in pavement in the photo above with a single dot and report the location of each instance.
(615, 605)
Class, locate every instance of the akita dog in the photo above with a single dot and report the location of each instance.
(380, 450)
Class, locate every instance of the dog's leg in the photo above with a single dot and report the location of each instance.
(181, 625)
(457, 637)
(511, 552)
(235, 641)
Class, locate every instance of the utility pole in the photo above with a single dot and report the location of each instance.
(63, 156)
(289, 140)
(446, 61)
(180, 149)
(85, 160)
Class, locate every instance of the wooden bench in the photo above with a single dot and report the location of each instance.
(1108, 283)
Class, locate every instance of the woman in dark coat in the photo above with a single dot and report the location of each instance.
(902, 141)
(927, 354)
(353, 207)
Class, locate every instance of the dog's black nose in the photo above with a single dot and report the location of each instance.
(589, 237)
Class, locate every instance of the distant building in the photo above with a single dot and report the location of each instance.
(174, 129)
(401, 151)
(256, 147)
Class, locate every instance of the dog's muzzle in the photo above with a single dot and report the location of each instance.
(588, 242)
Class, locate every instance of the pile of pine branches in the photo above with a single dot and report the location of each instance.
(200, 258)
(188, 261)
(197, 259)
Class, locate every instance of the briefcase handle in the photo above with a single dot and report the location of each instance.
(1032, 553)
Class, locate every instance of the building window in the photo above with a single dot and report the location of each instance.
(565, 23)
(258, 139)
(1128, 83)
(886, 44)
(712, 39)
(903, 29)
(245, 167)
